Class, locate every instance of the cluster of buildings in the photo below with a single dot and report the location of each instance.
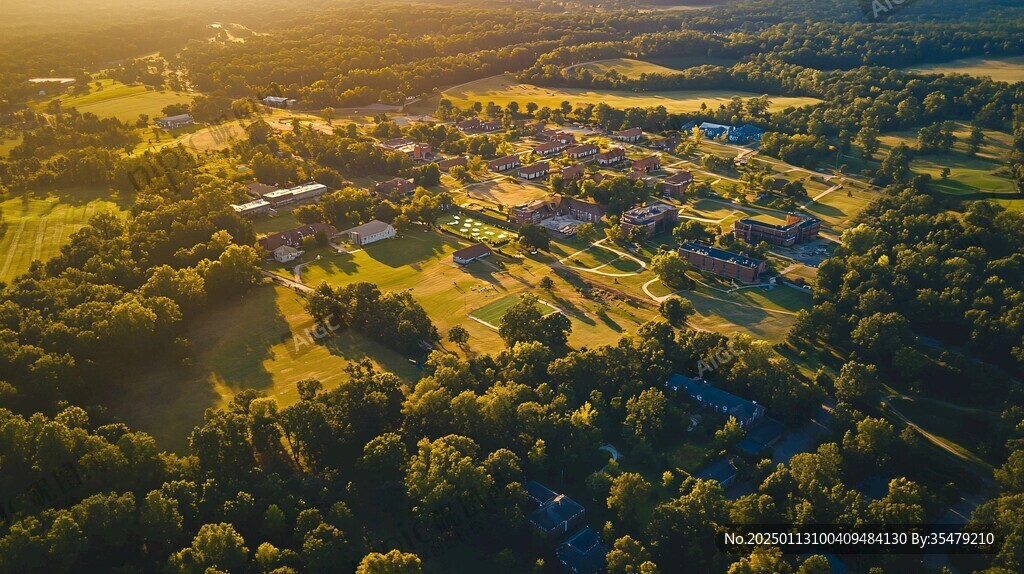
(478, 126)
(738, 135)
(266, 197)
(539, 210)
(287, 246)
(418, 152)
(558, 517)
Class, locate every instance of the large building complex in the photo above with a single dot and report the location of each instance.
(655, 218)
(285, 196)
(722, 262)
(796, 230)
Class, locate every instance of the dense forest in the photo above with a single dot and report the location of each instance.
(379, 475)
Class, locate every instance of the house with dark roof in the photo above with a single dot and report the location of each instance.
(723, 470)
(647, 164)
(468, 125)
(504, 163)
(295, 237)
(535, 171)
(395, 185)
(676, 184)
(540, 209)
(582, 151)
(610, 157)
(491, 126)
(655, 218)
(583, 553)
(746, 134)
(471, 253)
(571, 172)
(549, 148)
(722, 262)
(561, 515)
(538, 494)
(257, 189)
(631, 135)
(448, 163)
(797, 229)
(744, 411)
(396, 143)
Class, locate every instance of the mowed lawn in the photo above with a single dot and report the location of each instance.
(1010, 69)
(257, 342)
(493, 312)
(35, 227)
(504, 89)
(121, 101)
(421, 263)
(627, 67)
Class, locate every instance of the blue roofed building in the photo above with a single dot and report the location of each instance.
(745, 134)
(582, 553)
(558, 516)
(715, 131)
(744, 411)
(538, 493)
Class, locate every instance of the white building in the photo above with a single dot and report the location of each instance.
(370, 232)
(173, 122)
(252, 208)
(286, 253)
(285, 196)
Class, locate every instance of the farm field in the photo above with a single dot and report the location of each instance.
(1010, 69)
(36, 227)
(117, 100)
(504, 89)
(248, 343)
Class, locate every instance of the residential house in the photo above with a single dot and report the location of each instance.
(535, 171)
(722, 470)
(567, 138)
(448, 163)
(254, 207)
(471, 253)
(665, 143)
(744, 411)
(286, 253)
(278, 102)
(491, 126)
(371, 232)
(469, 125)
(676, 184)
(395, 185)
(538, 494)
(571, 172)
(561, 515)
(549, 148)
(722, 262)
(656, 218)
(296, 237)
(549, 135)
(647, 164)
(311, 190)
(396, 143)
(611, 157)
(632, 135)
(583, 553)
(582, 151)
(504, 163)
(797, 229)
(174, 122)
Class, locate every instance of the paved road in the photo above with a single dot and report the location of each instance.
(288, 282)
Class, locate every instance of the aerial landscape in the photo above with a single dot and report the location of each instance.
(443, 286)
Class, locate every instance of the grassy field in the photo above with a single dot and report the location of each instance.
(495, 310)
(35, 227)
(504, 192)
(117, 100)
(1010, 69)
(504, 89)
(468, 227)
(245, 344)
(631, 68)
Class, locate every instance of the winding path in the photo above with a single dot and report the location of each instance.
(596, 270)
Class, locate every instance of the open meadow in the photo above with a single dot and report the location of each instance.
(35, 227)
(259, 341)
(1009, 69)
(504, 89)
(633, 69)
(116, 100)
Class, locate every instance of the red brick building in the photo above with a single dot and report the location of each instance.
(611, 157)
(655, 218)
(647, 164)
(631, 135)
(722, 262)
(796, 230)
